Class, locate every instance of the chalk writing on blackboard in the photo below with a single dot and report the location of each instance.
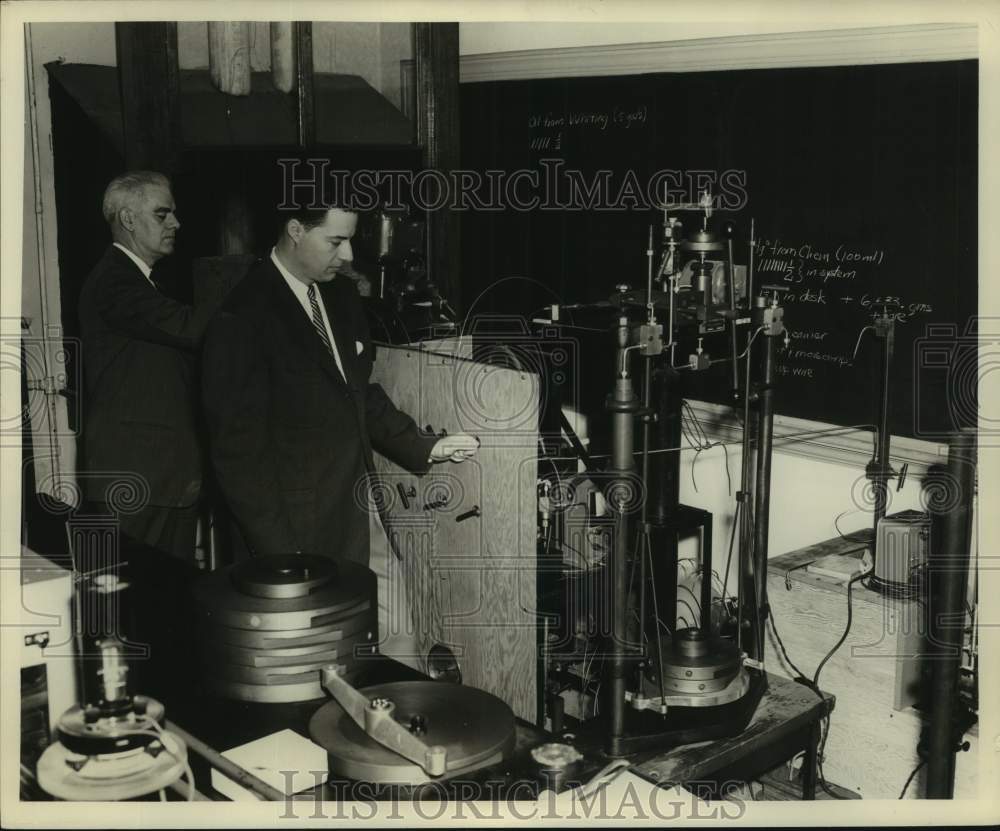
(624, 118)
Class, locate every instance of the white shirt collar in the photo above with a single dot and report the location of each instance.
(142, 265)
(301, 289)
(301, 292)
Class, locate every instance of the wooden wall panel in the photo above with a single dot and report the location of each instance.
(471, 583)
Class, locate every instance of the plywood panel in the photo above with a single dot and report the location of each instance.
(471, 583)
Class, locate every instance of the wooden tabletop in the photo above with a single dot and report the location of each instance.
(786, 708)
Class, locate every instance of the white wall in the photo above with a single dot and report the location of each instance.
(476, 38)
(807, 495)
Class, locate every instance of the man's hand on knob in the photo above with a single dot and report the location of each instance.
(456, 448)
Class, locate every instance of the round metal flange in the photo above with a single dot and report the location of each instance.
(301, 673)
(224, 604)
(475, 728)
(111, 777)
(220, 653)
(687, 686)
(92, 736)
(690, 649)
(284, 575)
(702, 241)
(331, 634)
(270, 694)
(696, 663)
(733, 690)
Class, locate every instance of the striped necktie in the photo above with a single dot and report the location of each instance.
(317, 319)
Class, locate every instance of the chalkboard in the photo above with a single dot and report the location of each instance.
(861, 183)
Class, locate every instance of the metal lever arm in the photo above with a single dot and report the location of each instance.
(375, 718)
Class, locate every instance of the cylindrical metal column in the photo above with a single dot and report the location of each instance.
(949, 574)
(884, 329)
(621, 498)
(762, 491)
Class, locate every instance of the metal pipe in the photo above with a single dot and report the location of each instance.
(745, 550)
(647, 430)
(949, 570)
(731, 285)
(762, 491)
(623, 406)
(885, 330)
(222, 764)
(706, 572)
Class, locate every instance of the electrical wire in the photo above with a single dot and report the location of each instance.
(656, 613)
(801, 678)
(858, 344)
(909, 778)
(841, 534)
(729, 478)
(776, 442)
(159, 733)
(847, 627)
(814, 683)
(732, 539)
(694, 461)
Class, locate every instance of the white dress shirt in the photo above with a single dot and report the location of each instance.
(143, 267)
(301, 292)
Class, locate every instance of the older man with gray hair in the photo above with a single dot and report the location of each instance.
(140, 436)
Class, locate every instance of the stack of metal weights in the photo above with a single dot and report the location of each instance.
(269, 625)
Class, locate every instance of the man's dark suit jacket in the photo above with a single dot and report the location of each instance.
(138, 362)
(290, 441)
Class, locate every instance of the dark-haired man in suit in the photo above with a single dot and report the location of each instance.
(293, 417)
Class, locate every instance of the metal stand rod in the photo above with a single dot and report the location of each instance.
(744, 569)
(646, 438)
(762, 491)
(733, 349)
(706, 573)
(946, 617)
(885, 330)
(623, 406)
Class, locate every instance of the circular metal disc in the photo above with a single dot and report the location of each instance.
(720, 661)
(64, 781)
(227, 653)
(475, 728)
(732, 691)
(274, 676)
(226, 605)
(270, 694)
(108, 735)
(696, 686)
(339, 630)
(701, 246)
(284, 575)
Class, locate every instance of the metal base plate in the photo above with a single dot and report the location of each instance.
(475, 728)
(110, 777)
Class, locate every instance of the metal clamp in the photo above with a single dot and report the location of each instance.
(375, 717)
